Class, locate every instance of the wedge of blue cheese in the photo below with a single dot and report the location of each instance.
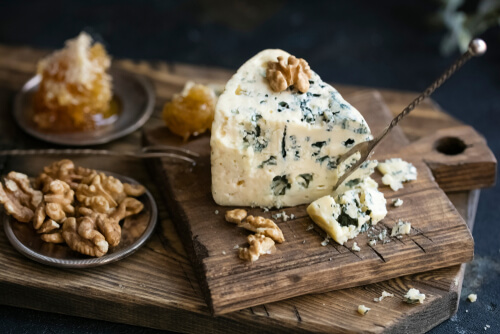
(274, 149)
(345, 215)
(396, 171)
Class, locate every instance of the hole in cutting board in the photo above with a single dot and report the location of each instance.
(450, 145)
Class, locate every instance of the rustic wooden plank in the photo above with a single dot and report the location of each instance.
(175, 303)
(301, 265)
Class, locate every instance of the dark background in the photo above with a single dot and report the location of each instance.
(389, 44)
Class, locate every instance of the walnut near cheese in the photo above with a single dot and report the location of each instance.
(266, 233)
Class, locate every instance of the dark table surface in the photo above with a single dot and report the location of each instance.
(387, 44)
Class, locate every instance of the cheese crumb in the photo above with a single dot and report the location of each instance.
(362, 309)
(285, 216)
(326, 241)
(382, 235)
(396, 171)
(223, 252)
(372, 242)
(397, 202)
(355, 247)
(401, 228)
(310, 227)
(472, 297)
(384, 294)
(414, 296)
(216, 212)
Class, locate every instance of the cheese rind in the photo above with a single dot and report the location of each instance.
(279, 149)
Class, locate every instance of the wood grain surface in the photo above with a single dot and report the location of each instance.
(439, 236)
(156, 287)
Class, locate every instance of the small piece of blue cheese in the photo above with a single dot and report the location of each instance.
(414, 296)
(384, 294)
(345, 215)
(401, 228)
(397, 171)
(355, 247)
(472, 297)
(362, 309)
(397, 202)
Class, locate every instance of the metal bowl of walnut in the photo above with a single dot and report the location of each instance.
(135, 230)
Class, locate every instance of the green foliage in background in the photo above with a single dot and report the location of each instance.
(465, 20)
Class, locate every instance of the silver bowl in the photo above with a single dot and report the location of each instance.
(136, 230)
(134, 93)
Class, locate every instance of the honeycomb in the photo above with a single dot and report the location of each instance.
(75, 88)
(190, 113)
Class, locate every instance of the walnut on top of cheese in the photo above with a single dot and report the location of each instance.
(279, 148)
(397, 171)
(345, 215)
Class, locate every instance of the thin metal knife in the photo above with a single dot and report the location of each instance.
(477, 47)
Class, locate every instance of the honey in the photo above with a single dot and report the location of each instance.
(75, 89)
(190, 113)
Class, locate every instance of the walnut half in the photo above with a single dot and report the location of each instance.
(263, 226)
(282, 75)
(259, 245)
(18, 197)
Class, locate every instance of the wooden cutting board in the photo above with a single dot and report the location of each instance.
(156, 286)
(439, 236)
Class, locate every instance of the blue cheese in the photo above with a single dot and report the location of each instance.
(279, 149)
(414, 296)
(362, 309)
(344, 216)
(397, 171)
(397, 202)
(401, 228)
(355, 247)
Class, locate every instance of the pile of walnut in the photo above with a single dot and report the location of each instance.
(266, 233)
(77, 206)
